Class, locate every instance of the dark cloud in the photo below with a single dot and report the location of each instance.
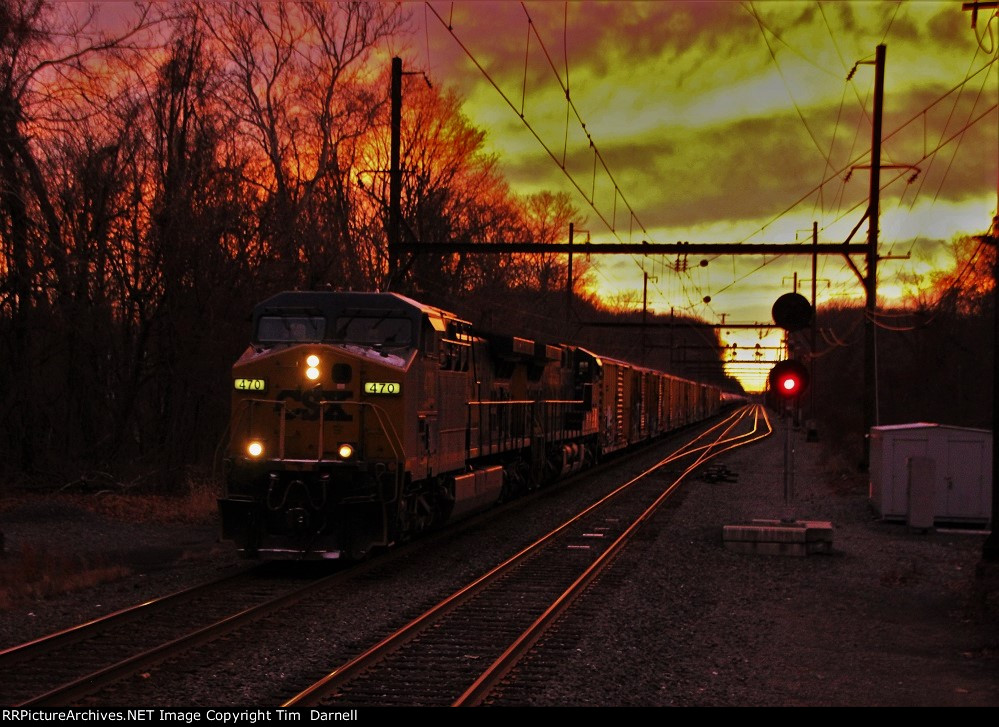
(950, 27)
(757, 167)
(742, 170)
(595, 39)
(842, 17)
(701, 117)
(684, 33)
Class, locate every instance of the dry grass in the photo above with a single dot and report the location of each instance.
(35, 573)
(198, 506)
(123, 501)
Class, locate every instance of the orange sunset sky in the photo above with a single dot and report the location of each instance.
(728, 122)
(733, 122)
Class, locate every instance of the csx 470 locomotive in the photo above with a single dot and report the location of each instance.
(361, 419)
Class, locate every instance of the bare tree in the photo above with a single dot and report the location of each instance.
(547, 218)
(49, 82)
(452, 191)
(967, 286)
(296, 79)
(156, 182)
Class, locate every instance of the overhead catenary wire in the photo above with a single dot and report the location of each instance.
(597, 155)
(688, 283)
(570, 104)
(590, 197)
(827, 156)
(837, 174)
(905, 172)
(950, 116)
(794, 102)
(987, 30)
(862, 102)
(885, 184)
(611, 226)
(857, 159)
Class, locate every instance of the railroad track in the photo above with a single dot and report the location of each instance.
(458, 651)
(64, 668)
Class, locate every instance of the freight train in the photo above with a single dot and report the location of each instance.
(360, 420)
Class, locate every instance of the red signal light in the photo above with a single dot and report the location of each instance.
(789, 378)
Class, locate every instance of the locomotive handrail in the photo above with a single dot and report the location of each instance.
(394, 440)
(541, 416)
(501, 402)
(245, 407)
(482, 402)
(498, 431)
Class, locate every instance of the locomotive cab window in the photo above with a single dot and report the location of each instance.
(383, 330)
(291, 329)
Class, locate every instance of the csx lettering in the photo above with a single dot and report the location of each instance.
(309, 411)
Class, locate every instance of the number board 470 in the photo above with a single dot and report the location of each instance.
(382, 387)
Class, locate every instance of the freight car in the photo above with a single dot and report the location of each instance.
(361, 419)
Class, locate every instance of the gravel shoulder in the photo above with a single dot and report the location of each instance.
(889, 618)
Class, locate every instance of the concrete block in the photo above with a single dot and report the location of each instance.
(779, 537)
(761, 548)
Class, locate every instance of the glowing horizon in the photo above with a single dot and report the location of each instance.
(735, 122)
(724, 121)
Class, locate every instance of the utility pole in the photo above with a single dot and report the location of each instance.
(395, 174)
(871, 279)
(568, 281)
(990, 551)
(672, 343)
(812, 433)
(645, 310)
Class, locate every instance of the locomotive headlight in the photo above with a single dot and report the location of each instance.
(346, 451)
(312, 373)
(255, 448)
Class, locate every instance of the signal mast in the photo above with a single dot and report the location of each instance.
(788, 379)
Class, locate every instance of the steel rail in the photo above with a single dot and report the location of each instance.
(18, 653)
(495, 673)
(92, 682)
(412, 630)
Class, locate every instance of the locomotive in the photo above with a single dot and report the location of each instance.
(360, 420)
